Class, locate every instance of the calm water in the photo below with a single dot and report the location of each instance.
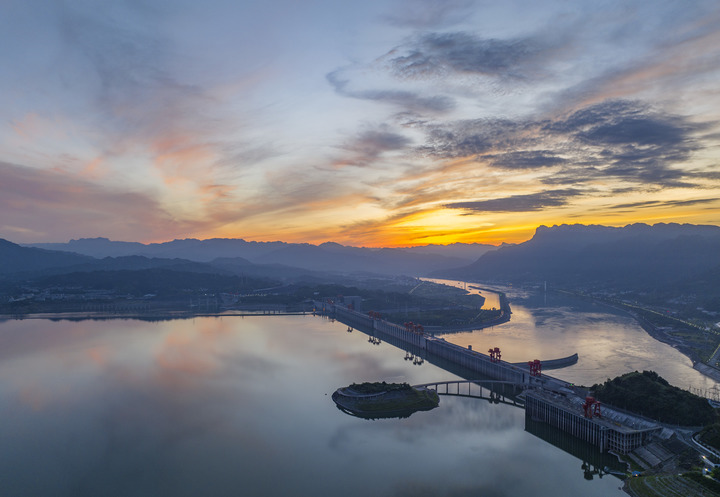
(608, 342)
(234, 406)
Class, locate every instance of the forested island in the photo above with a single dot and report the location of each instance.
(380, 399)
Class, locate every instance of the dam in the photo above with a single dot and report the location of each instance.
(549, 400)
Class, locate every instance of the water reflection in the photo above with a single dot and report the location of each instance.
(609, 342)
(396, 414)
(232, 406)
(594, 462)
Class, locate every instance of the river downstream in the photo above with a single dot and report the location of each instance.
(609, 342)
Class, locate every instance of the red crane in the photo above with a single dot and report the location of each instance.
(414, 327)
(591, 408)
(535, 367)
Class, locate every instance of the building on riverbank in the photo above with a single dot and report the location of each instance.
(610, 430)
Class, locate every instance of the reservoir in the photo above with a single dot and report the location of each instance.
(235, 405)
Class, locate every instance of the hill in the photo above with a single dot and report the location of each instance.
(326, 257)
(636, 257)
(15, 259)
(649, 394)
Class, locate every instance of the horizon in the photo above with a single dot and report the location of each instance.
(362, 246)
(382, 124)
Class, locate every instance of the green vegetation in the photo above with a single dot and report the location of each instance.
(391, 398)
(650, 395)
(710, 435)
(708, 483)
(160, 281)
(671, 485)
(445, 317)
(379, 387)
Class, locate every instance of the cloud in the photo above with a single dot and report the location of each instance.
(126, 64)
(665, 203)
(61, 206)
(143, 102)
(472, 137)
(376, 142)
(41, 205)
(525, 159)
(673, 57)
(369, 145)
(409, 101)
(626, 123)
(620, 139)
(440, 54)
(631, 141)
(424, 14)
(519, 203)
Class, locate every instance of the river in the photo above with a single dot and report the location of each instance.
(609, 342)
(225, 406)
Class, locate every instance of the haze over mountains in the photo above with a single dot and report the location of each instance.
(233, 256)
(636, 257)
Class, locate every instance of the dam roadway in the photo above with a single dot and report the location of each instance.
(450, 354)
(547, 399)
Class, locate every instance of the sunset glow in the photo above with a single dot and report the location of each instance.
(397, 123)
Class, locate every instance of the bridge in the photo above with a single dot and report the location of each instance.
(495, 391)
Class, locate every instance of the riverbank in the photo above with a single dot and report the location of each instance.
(707, 370)
(661, 334)
(145, 316)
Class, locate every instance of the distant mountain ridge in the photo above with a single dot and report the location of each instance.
(328, 256)
(15, 258)
(637, 256)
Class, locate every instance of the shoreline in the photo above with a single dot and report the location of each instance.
(162, 315)
(149, 316)
(659, 335)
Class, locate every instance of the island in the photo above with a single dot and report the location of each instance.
(384, 400)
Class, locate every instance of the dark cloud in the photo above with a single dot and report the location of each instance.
(526, 159)
(572, 175)
(441, 53)
(473, 137)
(616, 139)
(376, 142)
(407, 100)
(371, 144)
(625, 123)
(647, 174)
(640, 131)
(630, 140)
(519, 203)
(665, 203)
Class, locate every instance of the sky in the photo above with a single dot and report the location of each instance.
(374, 123)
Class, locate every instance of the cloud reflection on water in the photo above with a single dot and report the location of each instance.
(233, 406)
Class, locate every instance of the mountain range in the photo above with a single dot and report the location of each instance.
(232, 256)
(637, 257)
